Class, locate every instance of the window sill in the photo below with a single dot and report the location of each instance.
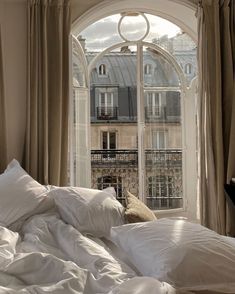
(169, 211)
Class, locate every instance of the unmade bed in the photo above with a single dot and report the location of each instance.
(76, 240)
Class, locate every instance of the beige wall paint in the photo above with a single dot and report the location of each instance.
(81, 6)
(126, 135)
(13, 19)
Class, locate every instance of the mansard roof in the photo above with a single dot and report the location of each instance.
(121, 70)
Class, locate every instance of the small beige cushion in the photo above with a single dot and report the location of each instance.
(136, 210)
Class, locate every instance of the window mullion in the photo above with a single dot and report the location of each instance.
(141, 121)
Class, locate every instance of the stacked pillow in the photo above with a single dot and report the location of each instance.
(136, 211)
(178, 252)
(20, 195)
(89, 210)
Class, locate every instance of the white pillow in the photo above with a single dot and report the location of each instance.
(20, 195)
(89, 210)
(177, 252)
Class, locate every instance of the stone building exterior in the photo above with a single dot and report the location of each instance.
(114, 126)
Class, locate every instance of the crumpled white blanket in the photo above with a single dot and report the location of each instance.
(53, 257)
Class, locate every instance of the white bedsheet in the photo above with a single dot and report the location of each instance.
(53, 257)
(77, 263)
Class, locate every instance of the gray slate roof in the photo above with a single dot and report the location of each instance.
(122, 70)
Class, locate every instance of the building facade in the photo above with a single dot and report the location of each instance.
(114, 123)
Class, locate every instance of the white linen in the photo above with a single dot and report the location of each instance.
(89, 210)
(53, 257)
(186, 255)
(145, 285)
(57, 242)
(20, 195)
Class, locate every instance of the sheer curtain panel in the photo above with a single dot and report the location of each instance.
(46, 149)
(216, 55)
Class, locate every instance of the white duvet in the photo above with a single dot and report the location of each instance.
(53, 257)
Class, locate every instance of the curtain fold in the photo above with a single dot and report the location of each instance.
(3, 139)
(46, 148)
(216, 112)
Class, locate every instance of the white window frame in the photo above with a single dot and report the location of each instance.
(156, 133)
(182, 15)
(151, 96)
(107, 95)
(148, 69)
(102, 70)
(108, 139)
(188, 69)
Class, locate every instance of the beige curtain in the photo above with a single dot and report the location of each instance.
(216, 54)
(46, 150)
(3, 141)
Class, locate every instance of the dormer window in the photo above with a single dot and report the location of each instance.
(188, 69)
(148, 69)
(102, 70)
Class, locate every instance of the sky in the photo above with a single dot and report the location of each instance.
(104, 32)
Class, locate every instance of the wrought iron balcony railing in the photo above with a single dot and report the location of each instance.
(115, 158)
(163, 157)
(121, 158)
(107, 113)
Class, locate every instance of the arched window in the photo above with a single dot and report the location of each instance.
(148, 69)
(151, 109)
(102, 70)
(188, 68)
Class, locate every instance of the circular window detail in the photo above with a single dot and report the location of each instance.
(127, 24)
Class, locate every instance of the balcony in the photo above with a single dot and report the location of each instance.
(129, 158)
(163, 177)
(107, 113)
(114, 158)
(163, 158)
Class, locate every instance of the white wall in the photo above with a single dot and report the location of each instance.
(13, 20)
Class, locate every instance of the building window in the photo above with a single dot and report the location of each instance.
(153, 104)
(108, 140)
(109, 145)
(102, 70)
(161, 192)
(159, 139)
(188, 68)
(112, 181)
(106, 109)
(148, 69)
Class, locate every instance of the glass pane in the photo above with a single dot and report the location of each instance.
(179, 44)
(80, 138)
(101, 34)
(79, 128)
(78, 69)
(102, 99)
(119, 161)
(105, 140)
(163, 134)
(112, 140)
(128, 27)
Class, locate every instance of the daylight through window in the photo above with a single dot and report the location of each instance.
(141, 98)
